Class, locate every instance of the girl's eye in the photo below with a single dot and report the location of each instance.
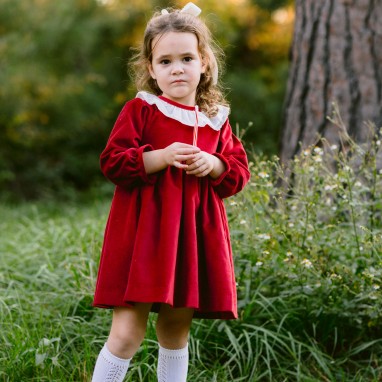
(188, 59)
(165, 62)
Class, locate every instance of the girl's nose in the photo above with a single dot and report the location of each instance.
(177, 68)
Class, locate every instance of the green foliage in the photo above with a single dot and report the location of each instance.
(307, 242)
(64, 79)
(60, 75)
(250, 97)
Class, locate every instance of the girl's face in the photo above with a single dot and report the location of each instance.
(176, 66)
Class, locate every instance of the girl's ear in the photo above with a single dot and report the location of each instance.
(204, 64)
(151, 71)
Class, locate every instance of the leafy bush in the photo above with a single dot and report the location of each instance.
(308, 240)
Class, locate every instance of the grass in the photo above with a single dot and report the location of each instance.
(308, 264)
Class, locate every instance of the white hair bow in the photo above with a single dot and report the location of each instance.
(189, 8)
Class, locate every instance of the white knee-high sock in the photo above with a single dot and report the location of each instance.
(110, 368)
(172, 365)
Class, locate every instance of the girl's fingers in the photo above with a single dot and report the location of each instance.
(187, 151)
(204, 173)
(184, 158)
(180, 165)
(198, 171)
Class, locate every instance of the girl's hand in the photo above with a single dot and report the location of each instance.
(203, 164)
(178, 154)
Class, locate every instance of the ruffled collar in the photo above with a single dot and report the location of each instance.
(185, 114)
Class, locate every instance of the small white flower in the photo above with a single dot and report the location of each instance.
(368, 274)
(318, 159)
(309, 238)
(242, 222)
(259, 263)
(306, 152)
(233, 203)
(311, 168)
(318, 150)
(294, 208)
(263, 175)
(330, 187)
(266, 253)
(334, 147)
(375, 287)
(358, 183)
(289, 254)
(290, 225)
(378, 143)
(307, 263)
(264, 236)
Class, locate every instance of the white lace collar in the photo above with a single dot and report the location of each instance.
(185, 114)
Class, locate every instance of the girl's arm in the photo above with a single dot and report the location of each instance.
(231, 152)
(122, 159)
(228, 166)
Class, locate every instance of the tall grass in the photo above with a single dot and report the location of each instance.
(308, 262)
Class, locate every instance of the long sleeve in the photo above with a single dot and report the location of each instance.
(231, 152)
(122, 160)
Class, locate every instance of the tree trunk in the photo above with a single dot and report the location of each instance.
(336, 56)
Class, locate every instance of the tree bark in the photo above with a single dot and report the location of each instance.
(336, 56)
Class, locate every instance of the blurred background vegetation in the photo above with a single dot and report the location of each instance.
(63, 76)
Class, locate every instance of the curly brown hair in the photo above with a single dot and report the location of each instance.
(209, 92)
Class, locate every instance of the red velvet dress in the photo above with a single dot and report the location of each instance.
(167, 238)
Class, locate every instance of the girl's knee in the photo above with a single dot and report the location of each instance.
(127, 331)
(173, 327)
(124, 344)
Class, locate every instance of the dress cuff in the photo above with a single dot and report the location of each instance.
(147, 178)
(217, 181)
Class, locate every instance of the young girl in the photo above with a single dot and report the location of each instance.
(173, 158)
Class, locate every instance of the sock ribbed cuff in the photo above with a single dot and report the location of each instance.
(174, 353)
(110, 357)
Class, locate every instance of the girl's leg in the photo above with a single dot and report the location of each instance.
(126, 335)
(173, 327)
(128, 329)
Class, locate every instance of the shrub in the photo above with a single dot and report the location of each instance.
(308, 244)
